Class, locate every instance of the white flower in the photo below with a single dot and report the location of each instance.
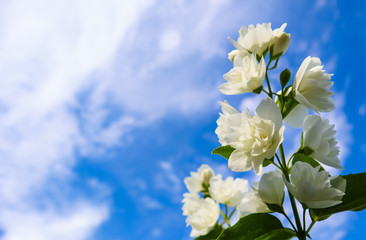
(313, 187)
(202, 214)
(311, 85)
(202, 176)
(253, 137)
(246, 76)
(222, 122)
(190, 203)
(252, 203)
(271, 188)
(228, 191)
(257, 39)
(319, 136)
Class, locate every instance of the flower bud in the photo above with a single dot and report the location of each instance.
(280, 45)
(271, 188)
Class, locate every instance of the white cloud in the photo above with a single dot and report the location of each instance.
(76, 222)
(362, 110)
(49, 50)
(334, 227)
(168, 181)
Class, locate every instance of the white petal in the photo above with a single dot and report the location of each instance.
(271, 188)
(304, 65)
(239, 162)
(269, 110)
(312, 129)
(227, 109)
(297, 116)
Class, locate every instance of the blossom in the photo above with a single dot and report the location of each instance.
(319, 136)
(190, 203)
(228, 191)
(313, 187)
(257, 38)
(311, 86)
(247, 75)
(197, 179)
(252, 203)
(222, 122)
(253, 137)
(202, 214)
(271, 188)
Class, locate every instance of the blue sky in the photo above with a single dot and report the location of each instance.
(105, 107)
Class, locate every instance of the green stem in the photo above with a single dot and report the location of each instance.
(267, 80)
(288, 219)
(269, 95)
(280, 168)
(231, 214)
(225, 218)
(283, 158)
(303, 218)
(275, 65)
(279, 161)
(310, 227)
(299, 231)
(283, 99)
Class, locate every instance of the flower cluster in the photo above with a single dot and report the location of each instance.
(252, 141)
(206, 192)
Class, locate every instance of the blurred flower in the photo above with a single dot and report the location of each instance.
(196, 182)
(257, 38)
(271, 188)
(319, 136)
(202, 214)
(222, 122)
(253, 137)
(228, 191)
(246, 76)
(313, 187)
(190, 203)
(231, 55)
(311, 85)
(252, 203)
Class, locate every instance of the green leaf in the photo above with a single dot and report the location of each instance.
(304, 158)
(278, 234)
(285, 77)
(254, 226)
(224, 151)
(213, 234)
(353, 200)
